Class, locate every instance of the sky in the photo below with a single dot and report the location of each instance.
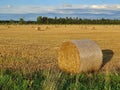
(63, 7)
(56, 2)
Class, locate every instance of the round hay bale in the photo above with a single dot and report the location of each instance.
(38, 28)
(93, 28)
(80, 56)
(8, 26)
(47, 27)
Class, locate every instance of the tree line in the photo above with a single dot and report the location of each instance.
(67, 20)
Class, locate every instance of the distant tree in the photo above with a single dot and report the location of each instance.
(61, 20)
(39, 20)
(45, 20)
(21, 21)
(55, 20)
(12, 21)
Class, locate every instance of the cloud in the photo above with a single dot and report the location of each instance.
(63, 9)
(9, 6)
(90, 9)
(105, 7)
(98, 7)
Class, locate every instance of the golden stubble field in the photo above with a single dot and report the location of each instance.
(24, 48)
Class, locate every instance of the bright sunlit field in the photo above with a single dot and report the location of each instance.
(26, 50)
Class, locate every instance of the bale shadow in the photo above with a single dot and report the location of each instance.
(107, 56)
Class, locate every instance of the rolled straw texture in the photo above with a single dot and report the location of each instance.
(78, 56)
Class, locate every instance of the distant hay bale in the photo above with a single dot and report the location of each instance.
(38, 28)
(93, 28)
(79, 56)
(32, 26)
(8, 26)
(55, 26)
(85, 27)
(47, 27)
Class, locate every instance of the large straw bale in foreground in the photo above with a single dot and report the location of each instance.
(79, 56)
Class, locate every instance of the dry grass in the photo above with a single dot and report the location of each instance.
(26, 49)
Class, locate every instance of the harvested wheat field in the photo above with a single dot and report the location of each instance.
(24, 48)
